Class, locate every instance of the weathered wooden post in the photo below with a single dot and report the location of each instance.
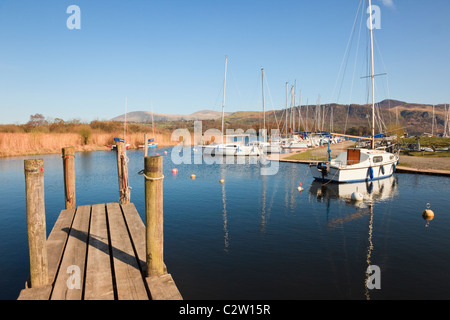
(145, 145)
(36, 226)
(122, 172)
(68, 155)
(153, 171)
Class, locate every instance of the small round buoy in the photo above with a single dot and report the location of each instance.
(357, 196)
(428, 214)
(299, 188)
(221, 180)
(174, 170)
(157, 154)
(165, 152)
(193, 176)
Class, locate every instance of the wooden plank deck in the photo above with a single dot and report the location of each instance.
(98, 253)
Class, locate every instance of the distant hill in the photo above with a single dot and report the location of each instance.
(415, 118)
(146, 116)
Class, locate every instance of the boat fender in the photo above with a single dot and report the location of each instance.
(382, 169)
(371, 173)
(357, 196)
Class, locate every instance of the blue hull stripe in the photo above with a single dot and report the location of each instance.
(352, 181)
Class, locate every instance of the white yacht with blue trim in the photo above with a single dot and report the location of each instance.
(356, 165)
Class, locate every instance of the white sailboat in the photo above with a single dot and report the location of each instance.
(232, 148)
(151, 142)
(265, 146)
(356, 165)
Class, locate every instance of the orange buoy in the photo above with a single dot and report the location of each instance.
(428, 214)
(193, 176)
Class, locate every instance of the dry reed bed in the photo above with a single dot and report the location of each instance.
(18, 144)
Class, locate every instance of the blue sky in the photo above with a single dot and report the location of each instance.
(170, 55)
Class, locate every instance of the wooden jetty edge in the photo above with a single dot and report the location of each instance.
(97, 252)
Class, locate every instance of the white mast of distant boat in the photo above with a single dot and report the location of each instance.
(264, 111)
(223, 99)
(372, 144)
(153, 125)
(125, 123)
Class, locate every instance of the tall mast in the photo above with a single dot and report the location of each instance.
(264, 111)
(286, 108)
(125, 123)
(223, 100)
(300, 118)
(373, 77)
(293, 110)
(432, 124)
(153, 125)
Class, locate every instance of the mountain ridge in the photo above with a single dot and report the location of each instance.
(414, 117)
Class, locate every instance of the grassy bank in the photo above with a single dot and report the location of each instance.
(19, 144)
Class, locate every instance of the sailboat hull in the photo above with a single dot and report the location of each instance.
(370, 165)
(350, 175)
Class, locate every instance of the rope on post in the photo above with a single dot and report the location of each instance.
(149, 178)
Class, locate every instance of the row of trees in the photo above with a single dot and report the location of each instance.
(38, 123)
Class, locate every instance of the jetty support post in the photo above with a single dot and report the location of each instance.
(122, 172)
(68, 155)
(36, 226)
(153, 171)
(145, 145)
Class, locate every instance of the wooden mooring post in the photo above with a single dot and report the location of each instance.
(122, 172)
(36, 226)
(68, 155)
(145, 145)
(153, 172)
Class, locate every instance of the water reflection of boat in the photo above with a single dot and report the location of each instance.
(371, 190)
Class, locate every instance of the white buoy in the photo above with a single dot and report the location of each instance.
(357, 196)
(299, 188)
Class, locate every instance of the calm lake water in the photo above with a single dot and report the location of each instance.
(255, 236)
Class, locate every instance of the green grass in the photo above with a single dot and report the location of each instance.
(437, 142)
(403, 164)
(306, 155)
(442, 154)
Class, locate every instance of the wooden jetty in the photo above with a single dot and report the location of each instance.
(97, 252)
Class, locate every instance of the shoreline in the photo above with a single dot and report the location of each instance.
(98, 148)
